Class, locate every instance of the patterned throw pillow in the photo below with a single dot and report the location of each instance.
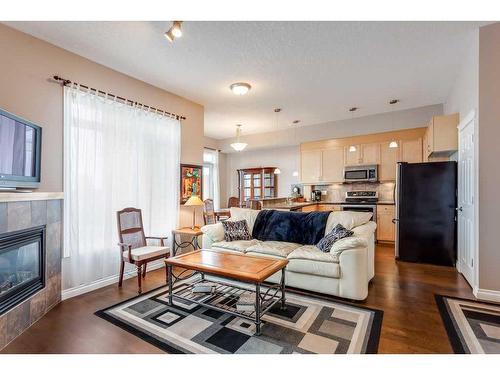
(326, 243)
(236, 230)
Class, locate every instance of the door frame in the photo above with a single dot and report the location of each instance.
(471, 117)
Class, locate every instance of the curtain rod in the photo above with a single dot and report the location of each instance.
(67, 82)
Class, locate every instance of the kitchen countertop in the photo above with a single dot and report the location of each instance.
(298, 205)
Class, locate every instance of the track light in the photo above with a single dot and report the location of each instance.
(174, 32)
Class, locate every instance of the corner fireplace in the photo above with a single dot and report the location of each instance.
(22, 266)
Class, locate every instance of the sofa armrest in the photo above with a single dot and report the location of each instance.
(354, 273)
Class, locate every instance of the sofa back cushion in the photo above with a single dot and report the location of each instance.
(348, 219)
(247, 214)
(306, 228)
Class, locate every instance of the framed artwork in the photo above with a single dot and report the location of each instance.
(191, 180)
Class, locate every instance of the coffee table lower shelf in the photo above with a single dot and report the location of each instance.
(229, 294)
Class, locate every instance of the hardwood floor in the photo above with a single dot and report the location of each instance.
(404, 291)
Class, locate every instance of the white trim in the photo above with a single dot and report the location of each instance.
(487, 294)
(470, 116)
(82, 289)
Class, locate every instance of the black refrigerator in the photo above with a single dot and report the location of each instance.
(426, 199)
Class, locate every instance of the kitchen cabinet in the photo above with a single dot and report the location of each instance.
(310, 166)
(441, 138)
(388, 161)
(322, 166)
(257, 183)
(411, 150)
(332, 165)
(363, 154)
(386, 230)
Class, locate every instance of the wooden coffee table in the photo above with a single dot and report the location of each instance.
(248, 269)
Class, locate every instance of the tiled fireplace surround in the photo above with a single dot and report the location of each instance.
(26, 214)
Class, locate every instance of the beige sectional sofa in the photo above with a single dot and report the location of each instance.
(345, 271)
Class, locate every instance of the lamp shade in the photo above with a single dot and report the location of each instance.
(194, 200)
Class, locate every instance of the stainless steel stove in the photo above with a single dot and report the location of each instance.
(361, 201)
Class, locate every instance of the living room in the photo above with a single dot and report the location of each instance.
(248, 187)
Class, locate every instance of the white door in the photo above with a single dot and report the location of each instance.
(466, 200)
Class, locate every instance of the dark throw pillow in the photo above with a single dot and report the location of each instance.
(236, 230)
(326, 243)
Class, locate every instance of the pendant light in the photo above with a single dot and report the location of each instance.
(393, 143)
(295, 123)
(238, 145)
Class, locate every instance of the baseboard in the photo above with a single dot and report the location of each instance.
(487, 294)
(82, 289)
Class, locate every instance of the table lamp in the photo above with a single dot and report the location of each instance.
(194, 201)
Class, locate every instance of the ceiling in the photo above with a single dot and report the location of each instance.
(314, 71)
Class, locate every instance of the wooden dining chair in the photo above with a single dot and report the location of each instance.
(233, 202)
(208, 212)
(134, 248)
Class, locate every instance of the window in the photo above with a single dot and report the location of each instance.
(211, 176)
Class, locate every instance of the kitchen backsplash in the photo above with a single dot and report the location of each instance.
(336, 192)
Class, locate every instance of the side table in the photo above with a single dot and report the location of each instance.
(186, 231)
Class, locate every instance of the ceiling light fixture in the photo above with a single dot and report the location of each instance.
(353, 109)
(277, 171)
(393, 144)
(238, 145)
(240, 88)
(277, 111)
(174, 32)
(394, 101)
(352, 148)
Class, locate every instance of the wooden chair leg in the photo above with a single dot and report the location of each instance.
(122, 267)
(139, 278)
(144, 270)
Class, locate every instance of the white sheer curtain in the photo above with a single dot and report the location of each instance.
(211, 157)
(115, 156)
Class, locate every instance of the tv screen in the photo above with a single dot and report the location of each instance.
(19, 151)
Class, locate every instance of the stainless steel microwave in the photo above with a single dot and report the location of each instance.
(361, 173)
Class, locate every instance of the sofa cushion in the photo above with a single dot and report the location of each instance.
(274, 248)
(146, 252)
(348, 219)
(310, 260)
(247, 214)
(236, 230)
(240, 246)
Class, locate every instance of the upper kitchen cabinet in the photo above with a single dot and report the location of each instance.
(411, 150)
(441, 137)
(389, 156)
(310, 166)
(363, 154)
(320, 166)
(332, 165)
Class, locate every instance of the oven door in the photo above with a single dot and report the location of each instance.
(362, 208)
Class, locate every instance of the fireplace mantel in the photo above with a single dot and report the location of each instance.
(35, 196)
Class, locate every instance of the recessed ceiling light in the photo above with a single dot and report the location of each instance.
(393, 101)
(353, 109)
(296, 121)
(277, 110)
(240, 88)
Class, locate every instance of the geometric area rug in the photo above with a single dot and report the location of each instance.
(308, 325)
(472, 326)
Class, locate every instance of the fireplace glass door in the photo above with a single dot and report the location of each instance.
(21, 266)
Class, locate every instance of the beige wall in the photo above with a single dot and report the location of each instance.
(26, 64)
(489, 172)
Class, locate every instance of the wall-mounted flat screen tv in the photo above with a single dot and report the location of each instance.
(20, 152)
